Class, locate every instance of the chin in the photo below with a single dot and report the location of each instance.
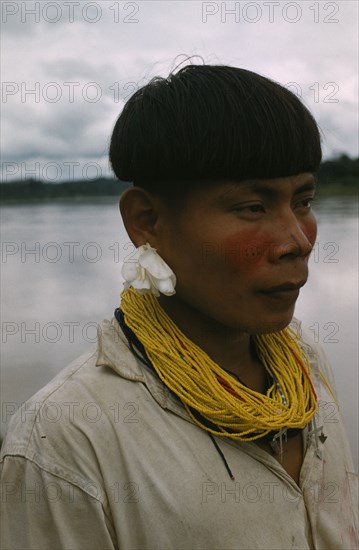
(273, 327)
(268, 324)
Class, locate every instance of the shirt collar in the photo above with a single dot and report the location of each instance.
(114, 352)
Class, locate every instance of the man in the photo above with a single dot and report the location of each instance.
(201, 421)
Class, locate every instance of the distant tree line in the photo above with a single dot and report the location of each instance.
(338, 170)
(338, 175)
(34, 189)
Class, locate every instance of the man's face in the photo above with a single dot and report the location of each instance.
(234, 243)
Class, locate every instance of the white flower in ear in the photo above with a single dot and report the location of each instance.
(147, 272)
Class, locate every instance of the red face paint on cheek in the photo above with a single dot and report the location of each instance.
(245, 251)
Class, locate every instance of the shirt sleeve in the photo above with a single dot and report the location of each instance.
(42, 511)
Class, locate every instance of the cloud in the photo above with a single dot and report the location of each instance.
(65, 81)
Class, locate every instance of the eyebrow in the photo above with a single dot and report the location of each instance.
(257, 186)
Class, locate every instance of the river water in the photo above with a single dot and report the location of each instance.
(61, 275)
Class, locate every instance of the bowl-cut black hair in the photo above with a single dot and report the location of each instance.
(212, 122)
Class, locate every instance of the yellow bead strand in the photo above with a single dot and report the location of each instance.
(192, 375)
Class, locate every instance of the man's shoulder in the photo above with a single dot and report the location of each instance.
(64, 427)
(76, 405)
(46, 403)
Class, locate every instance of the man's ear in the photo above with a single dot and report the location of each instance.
(139, 211)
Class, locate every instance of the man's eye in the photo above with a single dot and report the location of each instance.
(306, 203)
(255, 208)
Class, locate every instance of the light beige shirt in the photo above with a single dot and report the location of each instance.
(106, 457)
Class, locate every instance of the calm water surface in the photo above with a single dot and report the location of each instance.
(61, 275)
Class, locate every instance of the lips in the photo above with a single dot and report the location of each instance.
(284, 287)
(287, 291)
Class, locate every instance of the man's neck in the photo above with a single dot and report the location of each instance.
(230, 349)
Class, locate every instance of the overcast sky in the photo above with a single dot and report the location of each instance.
(67, 68)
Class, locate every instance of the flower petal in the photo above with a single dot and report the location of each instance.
(130, 271)
(154, 264)
(141, 284)
(165, 286)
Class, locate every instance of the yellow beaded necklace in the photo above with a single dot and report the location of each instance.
(235, 410)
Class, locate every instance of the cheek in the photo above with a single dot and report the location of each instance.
(245, 251)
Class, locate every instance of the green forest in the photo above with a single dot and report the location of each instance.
(335, 176)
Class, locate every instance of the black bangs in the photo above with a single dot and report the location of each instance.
(213, 123)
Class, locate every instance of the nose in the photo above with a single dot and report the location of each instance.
(292, 242)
